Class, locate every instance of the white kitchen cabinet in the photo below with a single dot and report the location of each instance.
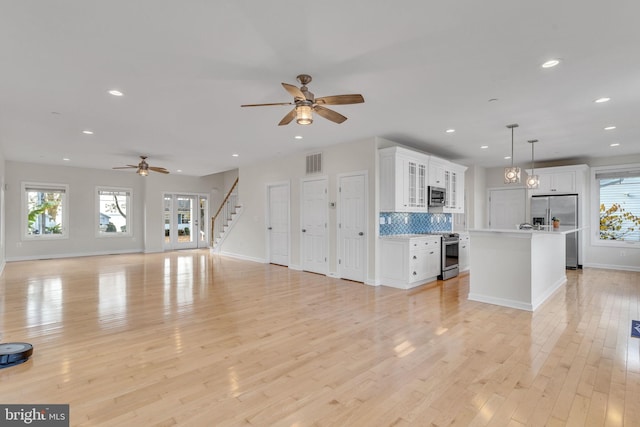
(557, 180)
(464, 252)
(437, 169)
(454, 186)
(407, 262)
(403, 180)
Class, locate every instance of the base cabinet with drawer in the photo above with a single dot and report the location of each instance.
(409, 261)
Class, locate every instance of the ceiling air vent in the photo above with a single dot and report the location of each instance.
(314, 163)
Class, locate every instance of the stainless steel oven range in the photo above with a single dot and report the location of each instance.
(449, 261)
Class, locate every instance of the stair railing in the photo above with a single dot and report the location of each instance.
(223, 215)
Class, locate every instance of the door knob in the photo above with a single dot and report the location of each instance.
(269, 228)
(361, 234)
(304, 231)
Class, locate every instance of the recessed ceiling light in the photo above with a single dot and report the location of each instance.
(450, 130)
(610, 128)
(235, 155)
(66, 159)
(484, 146)
(601, 100)
(551, 63)
(87, 132)
(507, 157)
(179, 170)
(615, 144)
(115, 92)
(298, 137)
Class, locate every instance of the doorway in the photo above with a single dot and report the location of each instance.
(506, 207)
(185, 221)
(314, 225)
(278, 223)
(352, 225)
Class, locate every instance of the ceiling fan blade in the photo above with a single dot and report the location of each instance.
(294, 91)
(125, 167)
(262, 105)
(287, 119)
(355, 98)
(158, 169)
(329, 114)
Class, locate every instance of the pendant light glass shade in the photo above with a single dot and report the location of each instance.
(512, 174)
(532, 180)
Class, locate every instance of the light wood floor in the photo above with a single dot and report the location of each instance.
(188, 338)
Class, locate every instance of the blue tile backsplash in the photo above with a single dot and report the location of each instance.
(414, 223)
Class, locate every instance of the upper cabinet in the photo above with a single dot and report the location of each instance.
(403, 180)
(450, 176)
(437, 169)
(405, 176)
(560, 179)
(454, 184)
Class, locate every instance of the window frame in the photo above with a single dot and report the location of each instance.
(129, 224)
(595, 206)
(24, 222)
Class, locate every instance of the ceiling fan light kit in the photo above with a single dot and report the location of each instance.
(143, 167)
(306, 104)
(512, 174)
(303, 114)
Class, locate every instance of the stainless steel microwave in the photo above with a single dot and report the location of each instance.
(437, 196)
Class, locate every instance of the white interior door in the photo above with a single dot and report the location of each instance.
(182, 218)
(278, 223)
(352, 227)
(314, 225)
(506, 207)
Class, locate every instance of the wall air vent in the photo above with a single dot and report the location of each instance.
(314, 163)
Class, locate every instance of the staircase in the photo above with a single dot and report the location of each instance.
(222, 222)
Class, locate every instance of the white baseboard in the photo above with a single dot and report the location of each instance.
(500, 301)
(73, 255)
(612, 267)
(242, 257)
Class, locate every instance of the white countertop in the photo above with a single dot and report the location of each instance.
(544, 230)
(409, 236)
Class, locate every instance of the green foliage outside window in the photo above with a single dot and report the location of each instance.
(612, 221)
(45, 211)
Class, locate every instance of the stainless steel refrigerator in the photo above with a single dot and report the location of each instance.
(564, 207)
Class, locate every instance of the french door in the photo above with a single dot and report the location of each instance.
(185, 221)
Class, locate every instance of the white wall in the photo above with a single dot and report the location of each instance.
(475, 186)
(248, 239)
(3, 211)
(146, 209)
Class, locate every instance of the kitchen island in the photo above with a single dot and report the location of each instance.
(517, 268)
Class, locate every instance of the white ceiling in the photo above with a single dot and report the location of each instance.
(422, 66)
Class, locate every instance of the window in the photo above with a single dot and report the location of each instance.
(617, 193)
(114, 211)
(45, 210)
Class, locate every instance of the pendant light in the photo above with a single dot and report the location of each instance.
(512, 174)
(532, 180)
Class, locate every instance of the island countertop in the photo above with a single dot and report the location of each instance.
(544, 230)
